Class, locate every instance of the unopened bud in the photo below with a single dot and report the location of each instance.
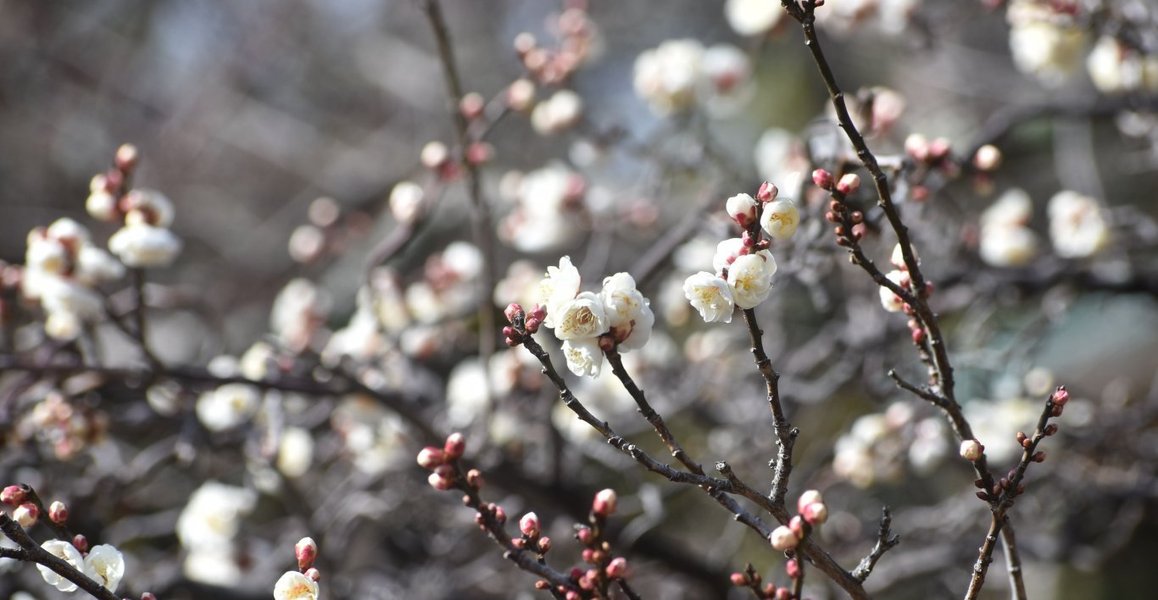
(430, 457)
(529, 525)
(474, 479)
(306, 551)
(917, 147)
(605, 503)
(499, 513)
(822, 179)
(783, 594)
(987, 158)
(126, 157)
(542, 584)
(742, 209)
(939, 149)
(1039, 456)
(783, 538)
(808, 497)
(617, 568)
(478, 153)
(434, 155)
(26, 514)
(585, 535)
(972, 450)
(740, 579)
(14, 494)
(767, 192)
(148, 596)
(439, 482)
(798, 526)
(313, 574)
(1061, 396)
(848, 183)
(58, 512)
(544, 545)
(471, 106)
(815, 513)
(455, 446)
(80, 543)
(792, 568)
(512, 311)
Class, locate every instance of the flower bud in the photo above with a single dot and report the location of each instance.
(783, 594)
(792, 568)
(987, 158)
(26, 514)
(430, 457)
(815, 513)
(500, 514)
(617, 568)
(148, 596)
(939, 149)
(439, 482)
(767, 192)
(605, 503)
(798, 526)
(306, 551)
(471, 106)
(972, 450)
(1060, 397)
(455, 446)
(313, 574)
(512, 311)
(585, 535)
(126, 157)
(521, 95)
(80, 543)
(822, 178)
(740, 579)
(434, 155)
(808, 497)
(529, 525)
(474, 479)
(13, 494)
(58, 512)
(917, 147)
(544, 545)
(783, 538)
(742, 209)
(848, 183)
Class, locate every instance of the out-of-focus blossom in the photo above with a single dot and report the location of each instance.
(143, 245)
(1116, 68)
(295, 453)
(298, 312)
(558, 113)
(406, 201)
(753, 17)
(1006, 241)
(1045, 43)
(548, 202)
(889, 300)
(227, 406)
(1077, 225)
(678, 74)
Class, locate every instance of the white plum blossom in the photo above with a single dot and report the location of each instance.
(1116, 68)
(711, 296)
(1044, 43)
(406, 201)
(94, 266)
(547, 203)
(1005, 239)
(750, 277)
(584, 357)
(726, 252)
(144, 245)
(741, 208)
(559, 287)
(106, 565)
(582, 317)
(1014, 207)
(298, 311)
(558, 113)
(666, 76)
(628, 313)
(295, 453)
(69, 554)
(726, 84)
(1077, 225)
(780, 219)
(889, 300)
(211, 518)
(227, 406)
(753, 17)
(293, 585)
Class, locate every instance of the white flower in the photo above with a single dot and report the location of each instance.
(897, 258)
(1077, 226)
(666, 76)
(558, 113)
(69, 554)
(214, 567)
(227, 406)
(641, 327)
(45, 254)
(1116, 68)
(584, 357)
(1014, 207)
(711, 296)
(582, 317)
(143, 245)
(148, 206)
(101, 205)
(558, 288)
(405, 201)
(621, 301)
(725, 80)
(753, 17)
(780, 219)
(61, 295)
(68, 231)
(889, 300)
(94, 266)
(210, 519)
(295, 586)
(726, 252)
(64, 326)
(1046, 50)
(742, 208)
(1011, 246)
(295, 453)
(298, 311)
(750, 278)
(105, 565)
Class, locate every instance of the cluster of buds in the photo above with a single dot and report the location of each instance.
(533, 537)
(750, 579)
(578, 41)
(849, 223)
(436, 157)
(303, 583)
(894, 303)
(1004, 489)
(24, 502)
(522, 323)
(145, 239)
(442, 463)
(811, 512)
(601, 567)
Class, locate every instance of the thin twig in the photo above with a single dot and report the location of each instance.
(785, 433)
(885, 542)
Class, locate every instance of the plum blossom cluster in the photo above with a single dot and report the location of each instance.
(589, 323)
(883, 447)
(811, 513)
(679, 75)
(744, 266)
(207, 527)
(144, 239)
(545, 204)
(1078, 228)
(301, 584)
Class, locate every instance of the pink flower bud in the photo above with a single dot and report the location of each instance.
(848, 183)
(740, 579)
(822, 179)
(478, 153)
(544, 545)
(521, 95)
(512, 311)
(917, 147)
(474, 479)
(767, 192)
(815, 513)
(471, 105)
(1060, 396)
(126, 157)
(808, 497)
(58, 512)
(585, 536)
(783, 594)
(455, 446)
(439, 482)
(792, 568)
(605, 503)
(500, 514)
(26, 514)
(306, 551)
(987, 158)
(313, 574)
(13, 494)
(430, 457)
(782, 538)
(617, 568)
(972, 450)
(532, 324)
(742, 209)
(148, 596)
(80, 543)
(939, 149)
(798, 526)
(588, 555)
(529, 525)
(573, 595)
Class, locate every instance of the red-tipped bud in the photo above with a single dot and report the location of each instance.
(769, 590)
(26, 514)
(822, 179)
(471, 105)
(313, 574)
(798, 526)
(542, 584)
(474, 479)
(783, 538)
(500, 514)
(512, 311)
(1050, 429)
(972, 450)
(306, 551)
(1039, 456)
(455, 446)
(617, 568)
(529, 525)
(430, 457)
(544, 545)
(1060, 396)
(605, 503)
(80, 543)
(740, 579)
(918, 336)
(585, 536)
(478, 153)
(815, 513)
(917, 146)
(742, 209)
(783, 594)
(859, 231)
(792, 568)
(148, 596)
(519, 543)
(939, 149)
(808, 497)
(439, 482)
(588, 555)
(58, 512)
(1021, 437)
(848, 183)
(13, 494)
(767, 192)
